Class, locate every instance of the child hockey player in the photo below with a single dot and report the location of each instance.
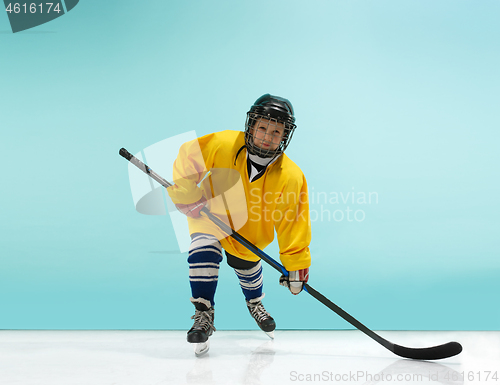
(276, 200)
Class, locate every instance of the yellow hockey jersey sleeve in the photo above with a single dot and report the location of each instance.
(189, 170)
(294, 226)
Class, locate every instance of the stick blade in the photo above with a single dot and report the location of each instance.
(433, 353)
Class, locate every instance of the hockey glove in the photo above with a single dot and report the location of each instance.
(295, 280)
(192, 209)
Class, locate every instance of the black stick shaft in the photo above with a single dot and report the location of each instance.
(432, 353)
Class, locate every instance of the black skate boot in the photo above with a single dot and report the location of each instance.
(261, 316)
(203, 326)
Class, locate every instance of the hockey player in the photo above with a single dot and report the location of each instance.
(276, 200)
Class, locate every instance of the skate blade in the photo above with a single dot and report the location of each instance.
(201, 348)
(270, 334)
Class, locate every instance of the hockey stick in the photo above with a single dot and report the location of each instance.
(449, 349)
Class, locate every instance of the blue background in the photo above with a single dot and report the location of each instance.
(394, 97)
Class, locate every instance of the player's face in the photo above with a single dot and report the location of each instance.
(267, 134)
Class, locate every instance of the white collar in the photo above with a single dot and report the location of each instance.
(254, 173)
(262, 161)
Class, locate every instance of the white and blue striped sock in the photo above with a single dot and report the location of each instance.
(251, 281)
(205, 255)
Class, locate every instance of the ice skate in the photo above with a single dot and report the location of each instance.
(203, 326)
(261, 316)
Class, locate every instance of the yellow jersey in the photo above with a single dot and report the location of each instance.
(277, 201)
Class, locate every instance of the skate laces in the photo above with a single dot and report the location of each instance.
(258, 312)
(203, 320)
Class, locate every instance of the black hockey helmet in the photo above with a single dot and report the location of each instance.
(276, 110)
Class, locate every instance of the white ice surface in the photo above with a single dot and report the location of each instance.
(239, 357)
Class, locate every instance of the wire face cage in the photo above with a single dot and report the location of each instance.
(266, 136)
